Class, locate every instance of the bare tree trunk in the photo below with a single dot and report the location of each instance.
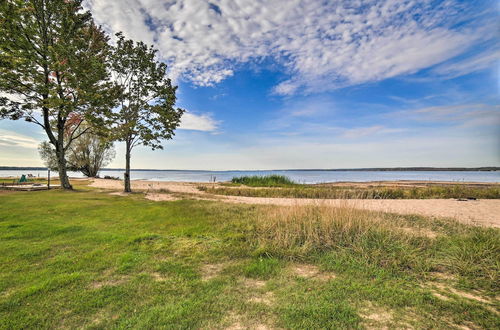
(127, 167)
(61, 166)
(61, 159)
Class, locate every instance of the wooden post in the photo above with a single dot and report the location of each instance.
(48, 180)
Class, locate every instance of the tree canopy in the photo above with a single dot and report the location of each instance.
(146, 112)
(53, 64)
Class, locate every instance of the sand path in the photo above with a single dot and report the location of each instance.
(484, 212)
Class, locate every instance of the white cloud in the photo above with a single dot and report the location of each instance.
(359, 132)
(463, 114)
(204, 122)
(12, 139)
(476, 63)
(322, 44)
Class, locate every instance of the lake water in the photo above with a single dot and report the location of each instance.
(316, 176)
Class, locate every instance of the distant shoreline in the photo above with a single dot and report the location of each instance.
(372, 169)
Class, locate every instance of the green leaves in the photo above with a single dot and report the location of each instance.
(147, 112)
(53, 64)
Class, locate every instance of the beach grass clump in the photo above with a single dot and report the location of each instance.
(346, 192)
(303, 230)
(272, 180)
(394, 244)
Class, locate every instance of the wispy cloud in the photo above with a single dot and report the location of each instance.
(464, 114)
(322, 45)
(359, 132)
(203, 122)
(12, 139)
(476, 63)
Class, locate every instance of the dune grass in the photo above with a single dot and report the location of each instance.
(326, 192)
(87, 259)
(272, 180)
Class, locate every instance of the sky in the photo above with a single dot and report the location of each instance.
(290, 84)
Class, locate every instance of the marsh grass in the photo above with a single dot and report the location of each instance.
(330, 192)
(272, 180)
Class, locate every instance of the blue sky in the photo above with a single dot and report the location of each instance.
(313, 84)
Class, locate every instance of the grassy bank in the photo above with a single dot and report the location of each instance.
(326, 192)
(89, 259)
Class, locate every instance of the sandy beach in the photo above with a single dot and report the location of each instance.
(484, 212)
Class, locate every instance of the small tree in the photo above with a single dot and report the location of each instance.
(87, 154)
(53, 64)
(146, 113)
(90, 153)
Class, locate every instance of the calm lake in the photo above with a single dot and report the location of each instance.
(313, 176)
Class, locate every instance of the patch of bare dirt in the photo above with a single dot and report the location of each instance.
(7, 293)
(376, 317)
(251, 283)
(440, 296)
(447, 289)
(266, 298)
(443, 276)
(311, 271)
(210, 271)
(238, 322)
(161, 197)
(158, 277)
(101, 316)
(109, 282)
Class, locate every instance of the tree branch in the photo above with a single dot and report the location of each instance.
(76, 137)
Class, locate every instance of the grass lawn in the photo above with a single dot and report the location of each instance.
(89, 259)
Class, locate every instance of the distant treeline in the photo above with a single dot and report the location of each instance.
(402, 169)
(374, 169)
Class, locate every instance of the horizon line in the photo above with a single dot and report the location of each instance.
(398, 168)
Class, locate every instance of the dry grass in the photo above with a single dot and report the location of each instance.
(318, 227)
(360, 192)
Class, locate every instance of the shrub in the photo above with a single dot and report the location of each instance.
(272, 180)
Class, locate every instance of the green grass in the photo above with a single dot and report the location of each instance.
(86, 259)
(325, 192)
(272, 180)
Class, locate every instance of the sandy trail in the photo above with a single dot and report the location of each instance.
(484, 212)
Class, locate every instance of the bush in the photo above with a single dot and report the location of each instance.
(111, 177)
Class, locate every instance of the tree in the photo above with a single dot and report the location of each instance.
(53, 64)
(87, 154)
(146, 112)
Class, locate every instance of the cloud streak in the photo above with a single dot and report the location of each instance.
(12, 139)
